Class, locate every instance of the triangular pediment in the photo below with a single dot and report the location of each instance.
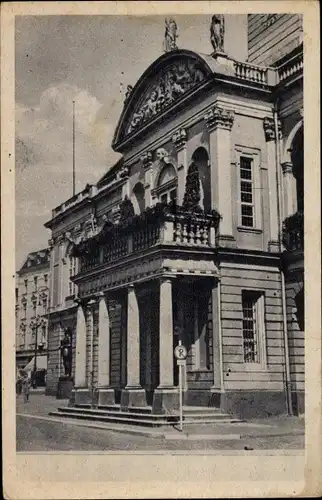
(165, 83)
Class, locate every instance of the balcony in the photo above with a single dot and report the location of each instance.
(293, 232)
(163, 225)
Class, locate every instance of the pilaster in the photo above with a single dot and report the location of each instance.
(271, 144)
(219, 123)
(179, 139)
(146, 160)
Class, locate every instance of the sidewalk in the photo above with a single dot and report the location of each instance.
(39, 406)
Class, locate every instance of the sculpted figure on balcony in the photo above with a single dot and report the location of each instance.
(217, 32)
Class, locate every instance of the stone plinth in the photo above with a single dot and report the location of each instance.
(64, 387)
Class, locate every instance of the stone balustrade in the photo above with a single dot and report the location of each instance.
(291, 67)
(251, 72)
(171, 229)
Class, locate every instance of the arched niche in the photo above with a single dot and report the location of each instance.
(137, 198)
(201, 159)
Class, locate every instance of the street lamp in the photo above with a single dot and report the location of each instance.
(38, 322)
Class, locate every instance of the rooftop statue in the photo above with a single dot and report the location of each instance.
(217, 33)
(170, 36)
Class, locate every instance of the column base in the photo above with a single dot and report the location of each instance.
(64, 387)
(106, 396)
(132, 396)
(80, 396)
(273, 246)
(215, 399)
(165, 400)
(226, 241)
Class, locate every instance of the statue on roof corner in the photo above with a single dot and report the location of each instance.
(170, 35)
(217, 33)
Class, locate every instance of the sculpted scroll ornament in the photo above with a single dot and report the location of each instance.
(176, 80)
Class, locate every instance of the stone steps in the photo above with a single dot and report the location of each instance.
(142, 416)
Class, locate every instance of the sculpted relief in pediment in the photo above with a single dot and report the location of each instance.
(171, 84)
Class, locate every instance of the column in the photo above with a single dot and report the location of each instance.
(106, 394)
(146, 160)
(80, 357)
(217, 387)
(219, 122)
(89, 342)
(133, 395)
(166, 395)
(289, 189)
(270, 136)
(179, 139)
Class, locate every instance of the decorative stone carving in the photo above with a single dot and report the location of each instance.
(162, 155)
(179, 138)
(217, 33)
(170, 36)
(269, 129)
(123, 173)
(146, 159)
(169, 86)
(287, 167)
(128, 92)
(219, 117)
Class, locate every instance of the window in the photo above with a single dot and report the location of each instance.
(35, 282)
(72, 272)
(246, 191)
(166, 189)
(26, 286)
(46, 278)
(253, 328)
(249, 188)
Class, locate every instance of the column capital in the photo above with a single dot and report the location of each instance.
(165, 279)
(218, 117)
(269, 129)
(287, 167)
(179, 138)
(146, 159)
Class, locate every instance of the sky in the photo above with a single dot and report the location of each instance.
(91, 60)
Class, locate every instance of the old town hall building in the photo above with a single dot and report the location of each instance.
(196, 234)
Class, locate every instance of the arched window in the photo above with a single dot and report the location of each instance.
(201, 159)
(166, 189)
(138, 198)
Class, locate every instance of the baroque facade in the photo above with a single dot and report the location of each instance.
(32, 301)
(196, 234)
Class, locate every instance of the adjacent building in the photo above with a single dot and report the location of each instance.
(32, 300)
(196, 235)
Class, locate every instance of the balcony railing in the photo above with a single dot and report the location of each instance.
(293, 232)
(156, 226)
(290, 67)
(251, 72)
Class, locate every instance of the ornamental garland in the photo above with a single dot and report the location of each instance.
(110, 232)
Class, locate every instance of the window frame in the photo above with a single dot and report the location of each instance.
(254, 155)
(258, 299)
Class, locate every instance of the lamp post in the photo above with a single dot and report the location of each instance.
(38, 322)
